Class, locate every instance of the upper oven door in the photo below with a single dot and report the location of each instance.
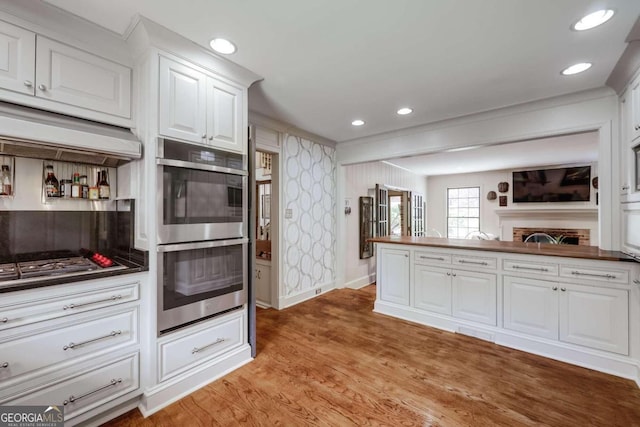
(202, 195)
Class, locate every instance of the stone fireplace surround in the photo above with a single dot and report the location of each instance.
(581, 234)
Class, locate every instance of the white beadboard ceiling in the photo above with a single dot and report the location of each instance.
(326, 63)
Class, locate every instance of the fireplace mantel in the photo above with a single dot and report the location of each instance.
(560, 213)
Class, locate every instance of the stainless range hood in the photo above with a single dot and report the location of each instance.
(27, 132)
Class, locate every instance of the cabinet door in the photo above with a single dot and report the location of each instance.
(393, 276)
(182, 97)
(634, 124)
(531, 306)
(17, 59)
(625, 156)
(432, 289)
(79, 78)
(263, 282)
(224, 116)
(595, 317)
(474, 296)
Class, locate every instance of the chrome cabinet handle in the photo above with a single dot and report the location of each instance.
(563, 289)
(72, 305)
(555, 288)
(637, 282)
(259, 274)
(4, 320)
(463, 261)
(72, 346)
(27, 83)
(437, 258)
(454, 274)
(605, 276)
(522, 267)
(4, 365)
(204, 135)
(211, 138)
(112, 383)
(42, 88)
(625, 187)
(448, 274)
(199, 349)
(406, 255)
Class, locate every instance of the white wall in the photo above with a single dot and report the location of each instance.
(489, 219)
(359, 179)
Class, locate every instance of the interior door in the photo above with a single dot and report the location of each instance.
(382, 210)
(417, 214)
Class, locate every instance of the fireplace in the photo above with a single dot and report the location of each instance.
(570, 236)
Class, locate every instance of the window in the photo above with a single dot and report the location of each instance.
(463, 211)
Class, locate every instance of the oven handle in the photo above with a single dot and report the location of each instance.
(199, 166)
(201, 245)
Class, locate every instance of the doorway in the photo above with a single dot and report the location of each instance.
(266, 229)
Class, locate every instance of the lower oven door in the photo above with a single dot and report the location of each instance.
(197, 280)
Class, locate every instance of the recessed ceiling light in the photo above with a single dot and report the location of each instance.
(404, 111)
(593, 20)
(222, 46)
(576, 68)
(357, 122)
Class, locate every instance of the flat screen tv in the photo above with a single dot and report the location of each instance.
(552, 185)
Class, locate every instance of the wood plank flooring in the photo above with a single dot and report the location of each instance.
(331, 361)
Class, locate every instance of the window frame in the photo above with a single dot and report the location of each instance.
(448, 207)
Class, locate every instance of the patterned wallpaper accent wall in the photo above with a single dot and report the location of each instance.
(310, 233)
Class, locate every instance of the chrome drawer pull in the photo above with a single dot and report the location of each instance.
(4, 365)
(463, 261)
(520, 267)
(74, 345)
(4, 320)
(437, 258)
(72, 305)
(114, 382)
(198, 350)
(606, 276)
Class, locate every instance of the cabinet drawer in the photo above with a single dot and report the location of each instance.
(530, 267)
(86, 390)
(609, 275)
(40, 306)
(30, 350)
(476, 262)
(431, 258)
(181, 353)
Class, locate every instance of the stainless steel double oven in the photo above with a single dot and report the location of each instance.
(202, 207)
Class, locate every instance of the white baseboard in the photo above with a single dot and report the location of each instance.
(308, 294)
(609, 363)
(164, 394)
(361, 282)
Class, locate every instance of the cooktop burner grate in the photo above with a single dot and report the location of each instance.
(51, 267)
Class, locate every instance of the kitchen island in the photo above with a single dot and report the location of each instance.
(577, 304)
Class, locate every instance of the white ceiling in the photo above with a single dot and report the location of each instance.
(561, 150)
(326, 63)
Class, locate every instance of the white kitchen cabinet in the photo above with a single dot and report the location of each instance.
(75, 77)
(393, 276)
(595, 317)
(17, 58)
(263, 282)
(43, 73)
(624, 162)
(199, 108)
(474, 296)
(634, 123)
(432, 289)
(531, 306)
(591, 316)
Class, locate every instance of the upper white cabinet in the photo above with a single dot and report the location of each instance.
(43, 73)
(393, 276)
(17, 58)
(72, 76)
(199, 108)
(634, 123)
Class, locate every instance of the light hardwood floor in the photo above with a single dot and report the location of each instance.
(331, 361)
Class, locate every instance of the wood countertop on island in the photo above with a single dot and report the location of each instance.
(545, 249)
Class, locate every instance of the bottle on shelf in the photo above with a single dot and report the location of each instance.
(84, 186)
(76, 187)
(5, 185)
(51, 185)
(104, 191)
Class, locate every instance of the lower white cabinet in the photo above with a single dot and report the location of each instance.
(466, 295)
(393, 276)
(263, 282)
(591, 316)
